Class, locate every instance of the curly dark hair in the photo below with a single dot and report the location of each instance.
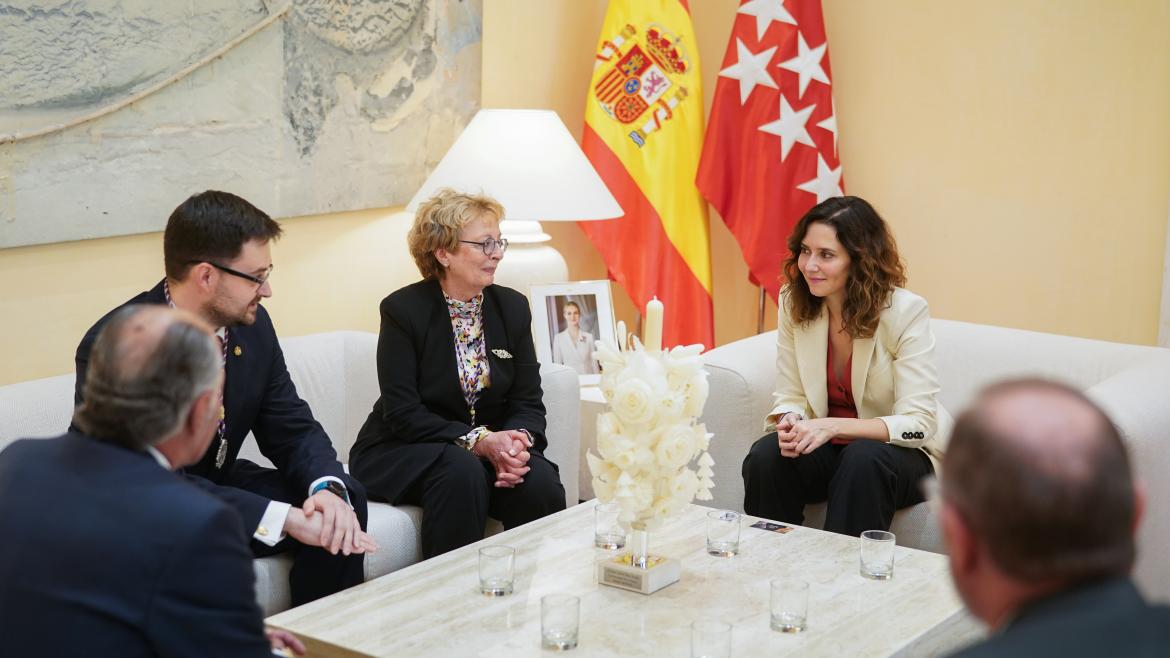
(874, 271)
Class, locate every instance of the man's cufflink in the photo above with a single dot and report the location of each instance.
(262, 531)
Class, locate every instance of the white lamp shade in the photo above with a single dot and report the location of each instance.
(526, 160)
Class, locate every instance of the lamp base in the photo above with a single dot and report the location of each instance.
(530, 260)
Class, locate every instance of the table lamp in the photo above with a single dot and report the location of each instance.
(528, 161)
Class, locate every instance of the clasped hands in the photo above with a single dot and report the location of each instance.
(507, 450)
(325, 520)
(799, 436)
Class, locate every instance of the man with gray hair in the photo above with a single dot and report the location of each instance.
(1039, 511)
(108, 553)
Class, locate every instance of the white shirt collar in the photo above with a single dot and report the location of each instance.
(159, 457)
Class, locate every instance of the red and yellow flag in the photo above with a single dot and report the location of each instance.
(643, 134)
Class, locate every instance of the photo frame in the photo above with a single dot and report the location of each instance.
(568, 320)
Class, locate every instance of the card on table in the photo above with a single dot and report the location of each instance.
(773, 527)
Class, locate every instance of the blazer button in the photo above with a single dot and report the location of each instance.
(905, 435)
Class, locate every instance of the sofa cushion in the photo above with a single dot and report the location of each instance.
(40, 408)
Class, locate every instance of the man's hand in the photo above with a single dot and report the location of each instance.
(284, 643)
(310, 529)
(507, 451)
(340, 524)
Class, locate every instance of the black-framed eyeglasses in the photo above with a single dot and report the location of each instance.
(490, 245)
(258, 280)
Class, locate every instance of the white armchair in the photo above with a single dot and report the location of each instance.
(336, 373)
(1129, 381)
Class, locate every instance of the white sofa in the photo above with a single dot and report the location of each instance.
(1131, 382)
(336, 374)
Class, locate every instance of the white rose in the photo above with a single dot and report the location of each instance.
(643, 495)
(644, 459)
(633, 403)
(625, 460)
(671, 405)
(675, 445)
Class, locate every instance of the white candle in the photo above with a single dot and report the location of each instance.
(652, 336)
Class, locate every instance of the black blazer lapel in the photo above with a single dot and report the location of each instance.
(496, 338)
(441, 361)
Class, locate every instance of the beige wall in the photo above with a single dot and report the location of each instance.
(1020, 148)
(331, 272)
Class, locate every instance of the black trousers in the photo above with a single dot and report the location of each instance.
(457, 496)
(315, 573)
(864, 481)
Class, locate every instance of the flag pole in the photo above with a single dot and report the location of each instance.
(760, 310)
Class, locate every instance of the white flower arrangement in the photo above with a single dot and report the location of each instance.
(649, 437)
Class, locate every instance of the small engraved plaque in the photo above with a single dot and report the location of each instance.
(618, 572)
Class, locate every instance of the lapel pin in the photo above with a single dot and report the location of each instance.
(238, 351)
(503, 354)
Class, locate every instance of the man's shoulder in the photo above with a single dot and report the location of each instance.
(153, 296)
(1109, 618)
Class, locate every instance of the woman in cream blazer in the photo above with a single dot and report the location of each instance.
(855, 413)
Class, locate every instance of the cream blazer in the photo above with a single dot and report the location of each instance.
(893, 371)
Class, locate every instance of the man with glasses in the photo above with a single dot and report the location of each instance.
(216, 251)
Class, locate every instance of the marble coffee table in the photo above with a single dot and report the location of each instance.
(434, 608)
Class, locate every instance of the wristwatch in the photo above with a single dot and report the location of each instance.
(334, 487)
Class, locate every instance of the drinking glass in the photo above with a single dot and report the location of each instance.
(496, 570)
(607, 532)
(877, 554)
(559, 615)
(710, 639)
(722, 533)
(788, 605)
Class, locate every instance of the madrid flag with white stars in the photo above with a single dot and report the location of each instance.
(771, 147)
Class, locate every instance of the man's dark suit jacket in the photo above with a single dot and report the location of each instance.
(259, 397)
(107, 553)
(1109, 618)
(422, 400)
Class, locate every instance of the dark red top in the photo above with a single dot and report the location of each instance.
(841, 403)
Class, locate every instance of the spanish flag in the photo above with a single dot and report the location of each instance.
(643, 134)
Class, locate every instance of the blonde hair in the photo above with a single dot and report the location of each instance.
(439, 220)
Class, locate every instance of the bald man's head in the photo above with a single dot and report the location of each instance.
(146, 368)
(1041, 476)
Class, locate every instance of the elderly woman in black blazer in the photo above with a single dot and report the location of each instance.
(459, 426)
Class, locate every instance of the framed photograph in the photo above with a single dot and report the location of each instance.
(568, 319)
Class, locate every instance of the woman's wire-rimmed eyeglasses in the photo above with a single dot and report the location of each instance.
(490, 245)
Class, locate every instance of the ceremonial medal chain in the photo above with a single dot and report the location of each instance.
(221, 429)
